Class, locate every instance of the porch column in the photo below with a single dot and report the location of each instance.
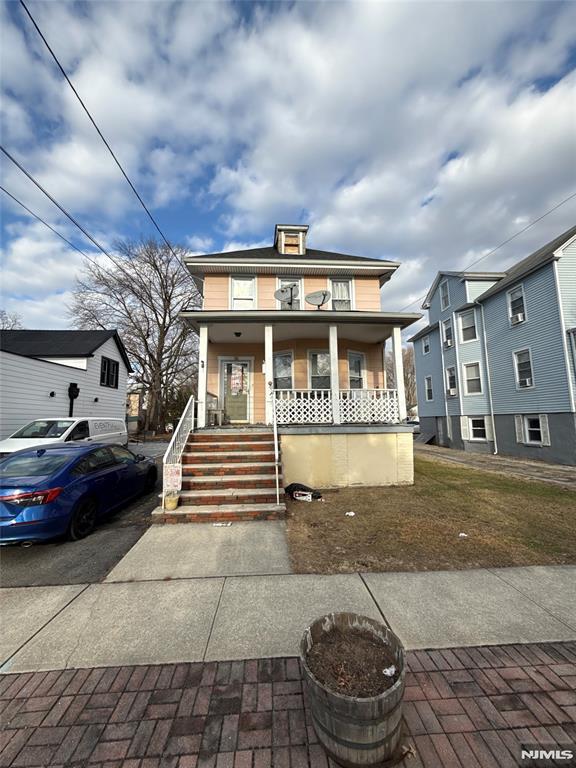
(384, 374)
(268, 369)
(202, 375)
(399, 371)
(334, 374)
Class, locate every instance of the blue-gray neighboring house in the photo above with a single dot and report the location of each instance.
(496, 365)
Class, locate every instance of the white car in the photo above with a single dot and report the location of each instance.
(43, 432)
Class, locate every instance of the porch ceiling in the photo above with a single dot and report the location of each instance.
(370, 327)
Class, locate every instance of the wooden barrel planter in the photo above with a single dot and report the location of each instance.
(356, 731)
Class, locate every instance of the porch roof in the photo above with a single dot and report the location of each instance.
(224, 326)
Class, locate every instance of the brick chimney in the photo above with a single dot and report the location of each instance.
(290, 239)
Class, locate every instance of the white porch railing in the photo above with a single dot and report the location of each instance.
(172, 461)
(355, 406)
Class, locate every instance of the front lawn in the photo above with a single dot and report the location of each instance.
(508, 521)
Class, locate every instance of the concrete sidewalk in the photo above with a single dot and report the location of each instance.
(255, 616)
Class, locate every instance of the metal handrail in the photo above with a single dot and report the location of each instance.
(276, 451)
(173, 455)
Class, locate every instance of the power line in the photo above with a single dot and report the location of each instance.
(56, 203)
(42, 221)
(108, 147)
(505, 242)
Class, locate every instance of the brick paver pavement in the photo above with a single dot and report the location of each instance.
(464, 708)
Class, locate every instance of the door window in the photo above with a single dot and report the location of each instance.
(80, 432)
(236, 390)
(320, 370)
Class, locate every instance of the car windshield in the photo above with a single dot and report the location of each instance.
(36, 465)
(44, 428)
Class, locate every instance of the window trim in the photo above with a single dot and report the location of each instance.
(424, 338)
(116, 379)
(349, 280)
(235, 276)
(445, 322)
(301, 298)
(364, 368)
(509, 304)
(428, 399)
(284, 352)
(309, 354)
(465, 379)
(515, 352)
(460, 316)
(526, 431)
(447, 284)
(471, 437)
(447, 376)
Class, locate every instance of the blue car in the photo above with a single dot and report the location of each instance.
(63, 489)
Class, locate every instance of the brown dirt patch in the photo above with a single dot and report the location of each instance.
(352, 662)
(508, 521)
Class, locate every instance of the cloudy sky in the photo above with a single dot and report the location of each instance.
(419, 131)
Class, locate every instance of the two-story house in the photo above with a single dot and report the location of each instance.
(496, 364)
(294, 338)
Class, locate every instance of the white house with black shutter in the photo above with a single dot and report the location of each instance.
(40, 370)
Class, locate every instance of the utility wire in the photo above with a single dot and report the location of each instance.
(505, 242)
(35, 215)
(108, 147)
(56, 203)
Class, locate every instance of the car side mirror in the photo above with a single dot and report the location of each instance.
(140, 457)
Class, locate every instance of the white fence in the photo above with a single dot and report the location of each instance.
(355, 406)
(172, 461)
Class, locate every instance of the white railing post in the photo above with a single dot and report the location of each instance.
(172, 459)
(399, 372)
(202, 375)
(334, 373)
(268, 369)
(276, 451)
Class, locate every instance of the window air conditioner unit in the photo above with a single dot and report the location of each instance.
(448, 342)
(451, 392)
(517, 318)
(526, 382)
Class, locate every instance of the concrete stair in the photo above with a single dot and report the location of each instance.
(227, 475)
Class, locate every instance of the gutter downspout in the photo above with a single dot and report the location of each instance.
(441, 339)
(488, 378)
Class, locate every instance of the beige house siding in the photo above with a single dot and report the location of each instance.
(367, 293)
(216, 292)
(266, 288)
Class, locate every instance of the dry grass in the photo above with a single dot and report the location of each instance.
(509, 521)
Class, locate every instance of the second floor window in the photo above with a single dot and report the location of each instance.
(472, 378)
(426, 345)
(444, 295)
(516, 309)
(109, 373)
(451, 380)
(448, 338)
(523, 365)
(341, 295)
(428, 388)
(295, 284)
(468, 325)
(243, 293)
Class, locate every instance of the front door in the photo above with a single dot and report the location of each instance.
(235, 389)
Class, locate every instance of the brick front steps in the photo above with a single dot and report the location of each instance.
(463, 708)
(227, 475)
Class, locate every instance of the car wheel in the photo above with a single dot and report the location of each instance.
(151, 479)
(83, 520)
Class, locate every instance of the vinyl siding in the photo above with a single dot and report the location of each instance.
(429, 365)
(542, 334)
(457, 299)
(475, 288)
(26, 385)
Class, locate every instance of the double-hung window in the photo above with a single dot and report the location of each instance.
(472, 378)
(341, 295)
(468, 325)
(283, 370)
(451, 381)
(243, 292)
(523, 366)
(444, 295)
(532, 429)
(516, 307)
(428, 388)
(477, 428)
(447, 331)
(426, 345)
(356, 370)
(109, 373)
(294, 286)
(319, 370)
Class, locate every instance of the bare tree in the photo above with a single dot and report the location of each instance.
(409, 375)
(140, 290)
(10, 321)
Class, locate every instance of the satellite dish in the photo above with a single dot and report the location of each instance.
(287, 294)
(318, 298)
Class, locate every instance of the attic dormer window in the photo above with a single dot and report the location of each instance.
(290, 239)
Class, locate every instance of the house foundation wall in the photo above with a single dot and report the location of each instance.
(342, 458)
(562, 448)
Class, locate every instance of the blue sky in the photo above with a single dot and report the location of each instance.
(420, 131)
